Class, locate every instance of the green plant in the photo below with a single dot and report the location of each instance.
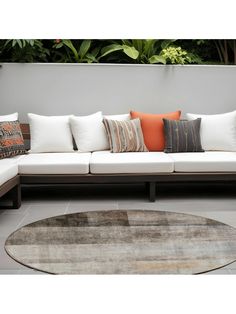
(176, 55)
(26, 50)
(218, 51)
(22, 43)
(78, 53)
(140, 51)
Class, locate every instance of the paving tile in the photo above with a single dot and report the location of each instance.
(227, 217)
(6, 262)
(8, 265)
(198, 205)
(10, 222)
(76, 206)
(232, 271)
(38, 212)
(139, 205)
(44, 207)
(110, 198)
(25, 271)
(22, 210)
(189, 203)
(174, 206)
(231, 266)
(221, 271)
(10, 272)
(48, 203)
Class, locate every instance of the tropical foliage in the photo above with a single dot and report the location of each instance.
(141, 51)
(24, 50)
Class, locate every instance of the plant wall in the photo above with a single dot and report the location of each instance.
(141, 51)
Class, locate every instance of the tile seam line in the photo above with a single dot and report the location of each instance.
(25, 215)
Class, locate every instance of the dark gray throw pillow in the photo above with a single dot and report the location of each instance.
(182, 136)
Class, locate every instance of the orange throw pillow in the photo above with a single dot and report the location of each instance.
(153, 128)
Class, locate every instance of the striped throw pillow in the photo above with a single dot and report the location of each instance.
(11, 139)
(182, 136)
(125, 136)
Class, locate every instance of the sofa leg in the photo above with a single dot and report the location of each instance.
(152, 191)
(16, 197)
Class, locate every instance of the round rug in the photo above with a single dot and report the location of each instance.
(124, 242)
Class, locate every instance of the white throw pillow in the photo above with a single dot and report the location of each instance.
(50, 134)
(218, 131)
(89, 131)
(9, 117)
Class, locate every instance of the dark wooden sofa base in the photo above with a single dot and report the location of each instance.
(13, 186)
(150, 179)
(13, 189)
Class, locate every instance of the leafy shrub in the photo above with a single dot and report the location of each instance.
(176, 55)
(141, 51)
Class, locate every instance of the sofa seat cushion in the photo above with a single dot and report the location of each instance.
(8, 170)
(132, 162)
(204, 162)
(55, 163)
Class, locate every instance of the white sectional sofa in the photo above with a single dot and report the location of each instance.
(106, 167)
(10, 180)
(8, 169)
(94, 163)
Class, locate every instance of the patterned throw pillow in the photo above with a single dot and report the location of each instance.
(11, 139)
(125, 136)
(182, 136)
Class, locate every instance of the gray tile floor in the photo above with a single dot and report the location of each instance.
(215, 201)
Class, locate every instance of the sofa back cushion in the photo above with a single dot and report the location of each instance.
(50, 134)
(125, 136)
(153, 128)
(9, 117)
(218, 131)
(11, 140)
(89, 131)
(119, 117)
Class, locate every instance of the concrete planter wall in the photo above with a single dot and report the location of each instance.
(56, 89)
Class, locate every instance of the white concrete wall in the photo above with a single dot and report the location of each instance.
(56, 89)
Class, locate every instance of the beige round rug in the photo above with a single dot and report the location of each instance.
(124, 242)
